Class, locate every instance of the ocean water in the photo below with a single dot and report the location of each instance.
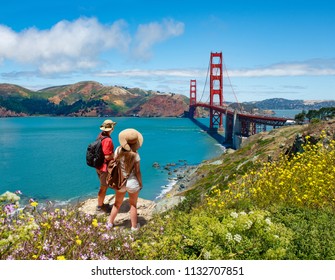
(286, 113)
(44, 157)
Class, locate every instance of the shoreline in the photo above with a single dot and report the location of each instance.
(178, 181)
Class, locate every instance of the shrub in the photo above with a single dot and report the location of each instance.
(221, 235)
(305, 180)
(313, 232)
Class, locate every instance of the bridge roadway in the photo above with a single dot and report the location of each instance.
(241, 124)
(260, 119)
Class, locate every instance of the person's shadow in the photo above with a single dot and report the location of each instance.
(125, 209)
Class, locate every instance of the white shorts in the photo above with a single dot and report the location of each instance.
(132, 186)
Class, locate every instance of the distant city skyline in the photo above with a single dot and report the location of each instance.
(271, 49)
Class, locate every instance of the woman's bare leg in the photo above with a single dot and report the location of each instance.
(117, 204)
(133, 197)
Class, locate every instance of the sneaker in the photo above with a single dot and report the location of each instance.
(99, 208)
(135, 229)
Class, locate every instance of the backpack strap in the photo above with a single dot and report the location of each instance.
(118, 160)
(118, 153)
(102, 138)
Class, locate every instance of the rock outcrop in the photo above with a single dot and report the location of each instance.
(145, 210)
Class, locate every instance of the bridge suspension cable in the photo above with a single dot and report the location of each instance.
(232, 88)
(203, 91)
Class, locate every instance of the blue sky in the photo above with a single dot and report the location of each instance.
(283, 49)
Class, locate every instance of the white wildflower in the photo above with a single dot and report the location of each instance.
(9, 196)
(268, 221)
(234, 215)
(207, 255)
(248, 224)
(57, 224)
(237, 238)
(229, 236)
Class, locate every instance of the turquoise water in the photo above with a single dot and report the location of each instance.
(44, 157)
(286, 113)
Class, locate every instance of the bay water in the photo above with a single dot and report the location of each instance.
(44, 157)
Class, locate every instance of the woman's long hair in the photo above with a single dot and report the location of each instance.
(129, 159)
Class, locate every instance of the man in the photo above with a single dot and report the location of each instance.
(107, 128)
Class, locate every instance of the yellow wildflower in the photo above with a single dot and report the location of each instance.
(46, 225)
(61, 258)
(33, 203)
(95, 222)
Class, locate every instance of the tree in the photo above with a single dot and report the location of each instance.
(300, 118)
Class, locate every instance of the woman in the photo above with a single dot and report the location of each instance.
(130, 141)
(107, 128)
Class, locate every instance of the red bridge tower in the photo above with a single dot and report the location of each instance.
(193, 96)
(216, 92)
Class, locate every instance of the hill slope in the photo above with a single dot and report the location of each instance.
(88, 98)
(285, 104)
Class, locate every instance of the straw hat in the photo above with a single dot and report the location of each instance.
(130, 139)
(107, 125)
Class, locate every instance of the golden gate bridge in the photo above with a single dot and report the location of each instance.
(238, 124)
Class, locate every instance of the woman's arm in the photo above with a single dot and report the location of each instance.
(138, 173)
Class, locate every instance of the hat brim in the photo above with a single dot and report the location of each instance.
(125, 137)
(110, 125)
(106, 129)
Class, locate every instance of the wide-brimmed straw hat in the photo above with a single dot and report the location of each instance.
(130, 139)
(107, 125)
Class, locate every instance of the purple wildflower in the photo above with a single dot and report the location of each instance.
(9, 209)
(105, 236)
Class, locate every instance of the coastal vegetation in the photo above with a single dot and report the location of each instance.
(271, 199)
(316, 115)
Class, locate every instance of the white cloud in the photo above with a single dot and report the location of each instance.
(185, 73)
(310, 68)
(315, 67)
(150, 34)
(76, 45)
(65, 47)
